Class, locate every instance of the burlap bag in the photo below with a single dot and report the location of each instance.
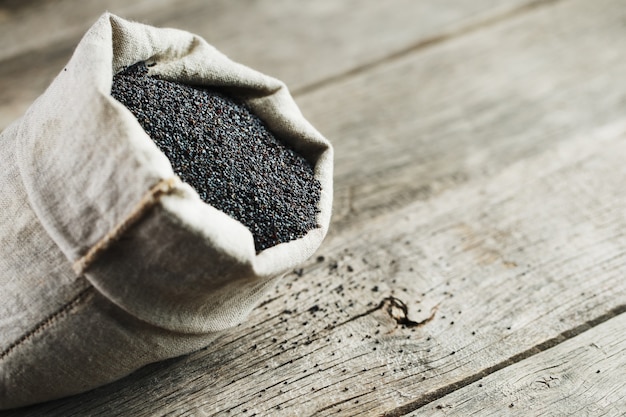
(108, 262)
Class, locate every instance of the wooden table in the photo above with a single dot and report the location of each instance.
(477, 255)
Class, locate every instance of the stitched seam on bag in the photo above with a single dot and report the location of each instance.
(149, 200)
(48, 321)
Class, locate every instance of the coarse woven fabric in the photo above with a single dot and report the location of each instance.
(108, 262)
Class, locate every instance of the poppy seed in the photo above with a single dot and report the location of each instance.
(226, 153)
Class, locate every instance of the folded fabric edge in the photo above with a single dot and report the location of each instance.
(163, 187)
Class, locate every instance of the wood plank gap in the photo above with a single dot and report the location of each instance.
(541, 347)
(426, 43)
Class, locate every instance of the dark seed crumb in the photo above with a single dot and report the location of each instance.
(314, 309)
(226, 153)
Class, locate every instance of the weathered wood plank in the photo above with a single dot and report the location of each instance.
(469, 107)
(583, 376)
(27, 26)
(506, 266)
(300, 43)
(362, 31)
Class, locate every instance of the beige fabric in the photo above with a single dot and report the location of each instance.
(107, 261)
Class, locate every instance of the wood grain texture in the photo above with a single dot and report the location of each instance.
(479, 222)
(583, 376)
(300, 43)
(464, 109)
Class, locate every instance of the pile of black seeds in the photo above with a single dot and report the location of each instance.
(226, 154)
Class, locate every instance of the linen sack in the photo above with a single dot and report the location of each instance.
(108, 262)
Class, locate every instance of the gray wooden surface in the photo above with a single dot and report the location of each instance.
(476, 258)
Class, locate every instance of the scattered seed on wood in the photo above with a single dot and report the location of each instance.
(314, 309)
(226, 153)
